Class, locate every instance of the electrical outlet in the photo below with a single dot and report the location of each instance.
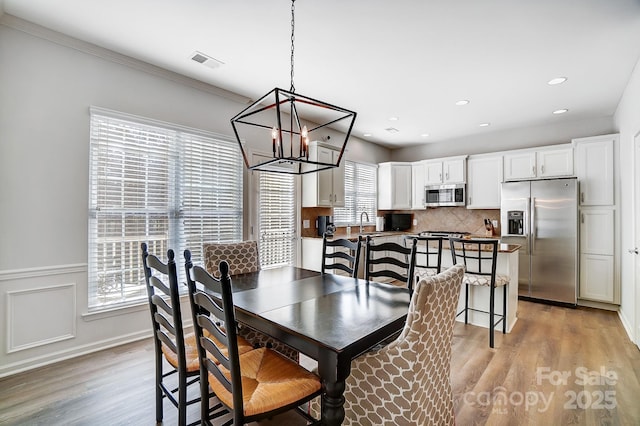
(305, 223)
(415, 222)
(495, 223)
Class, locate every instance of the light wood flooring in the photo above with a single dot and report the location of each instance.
(559, 366)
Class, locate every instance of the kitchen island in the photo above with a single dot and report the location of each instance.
(478, 296)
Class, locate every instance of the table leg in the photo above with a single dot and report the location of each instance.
(333, 403)
(333, 370)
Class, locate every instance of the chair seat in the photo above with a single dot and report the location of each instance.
(423, 273)
(485, 280)
(191, 351)
(269, 381)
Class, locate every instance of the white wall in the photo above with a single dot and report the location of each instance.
(627, 120)
(47, 84)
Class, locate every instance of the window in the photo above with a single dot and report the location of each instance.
(360, 194)
(277, 218)
(153, 182)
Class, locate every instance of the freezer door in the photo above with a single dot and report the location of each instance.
(554, 240)
(515, 196)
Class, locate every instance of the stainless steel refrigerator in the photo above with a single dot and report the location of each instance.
(542, 216)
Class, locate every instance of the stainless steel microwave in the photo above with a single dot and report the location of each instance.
(445, 195)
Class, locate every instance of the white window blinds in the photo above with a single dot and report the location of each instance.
(276, 212)
(158, 183)
(360, 194)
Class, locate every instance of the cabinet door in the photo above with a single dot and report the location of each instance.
(311, 254)
(521, 165)
(485, 179)
(597, 231)
(454, 171)
(555, 162)
(401, 184)
(433, 173)
(594, 169)
(417, 186)
(596, 277)
(338, 181)
(325, 179)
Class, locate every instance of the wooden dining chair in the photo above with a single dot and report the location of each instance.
(243, 258)
(480, 257)
(341, 254)
(253, 385)
(390, 261)
(407, 382)
(170, 342)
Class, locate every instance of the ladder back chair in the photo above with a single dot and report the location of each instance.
(243, 258)
(341, 254)
(480, 257)
(170, 342)
(391, 261)
(252, 385)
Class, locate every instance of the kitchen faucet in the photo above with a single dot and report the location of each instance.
(367, 215)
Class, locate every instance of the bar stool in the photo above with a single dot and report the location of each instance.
(480, 257)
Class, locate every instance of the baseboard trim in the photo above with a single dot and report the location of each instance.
(51, 358)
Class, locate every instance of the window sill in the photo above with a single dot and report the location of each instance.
(116, 311)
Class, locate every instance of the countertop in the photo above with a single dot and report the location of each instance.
(502, 248)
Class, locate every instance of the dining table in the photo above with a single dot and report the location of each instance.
(330, 318)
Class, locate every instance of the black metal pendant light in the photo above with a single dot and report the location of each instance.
(288, 121)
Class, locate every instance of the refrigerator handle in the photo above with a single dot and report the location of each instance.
(532, 235)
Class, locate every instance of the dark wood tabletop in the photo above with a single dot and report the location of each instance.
(330, 318)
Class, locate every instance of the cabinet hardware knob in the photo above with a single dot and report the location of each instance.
(633, 251)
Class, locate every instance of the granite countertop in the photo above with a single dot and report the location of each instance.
(502, 248)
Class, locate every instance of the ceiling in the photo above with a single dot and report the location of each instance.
(408, 59)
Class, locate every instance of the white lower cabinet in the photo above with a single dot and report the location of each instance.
(596, 277)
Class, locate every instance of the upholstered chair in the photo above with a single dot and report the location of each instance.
(243, 258)
(408, 381)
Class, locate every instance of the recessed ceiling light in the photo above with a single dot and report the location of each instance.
(462, 102)
(560, 111)
(485, 124)
(393, 118)
(366, 135)
(557, 80)
(425, 135)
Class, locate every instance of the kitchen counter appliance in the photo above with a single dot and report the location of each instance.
(445, 195)
(542, 217)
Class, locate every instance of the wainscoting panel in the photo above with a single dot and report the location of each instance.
(40, 316)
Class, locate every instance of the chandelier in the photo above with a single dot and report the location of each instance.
(287, 122)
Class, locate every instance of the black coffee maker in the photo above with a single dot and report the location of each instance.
(325, 225)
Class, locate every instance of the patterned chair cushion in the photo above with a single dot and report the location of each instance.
(242, 257)
(408, 381)
(485, 280)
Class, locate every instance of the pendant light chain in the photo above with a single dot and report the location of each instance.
(293, 25)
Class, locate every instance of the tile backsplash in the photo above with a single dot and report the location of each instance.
(458, 219)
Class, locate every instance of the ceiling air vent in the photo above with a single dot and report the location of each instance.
(392, 130)
(203, 59)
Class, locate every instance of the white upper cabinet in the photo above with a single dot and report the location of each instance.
(543, 163)
(445, 171)
(325, 188)
(417, 185)
(484, 183)
(394, 186)
(555, 162)
(594, 169)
